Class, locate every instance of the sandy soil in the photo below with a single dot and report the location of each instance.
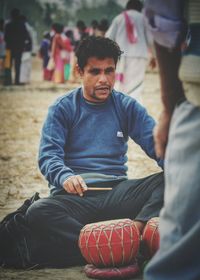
(22, 112)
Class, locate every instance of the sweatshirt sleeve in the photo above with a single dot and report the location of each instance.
(140, 129)
(55, 133)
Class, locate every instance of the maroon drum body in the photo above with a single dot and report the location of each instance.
(151, 237)
(109, 243)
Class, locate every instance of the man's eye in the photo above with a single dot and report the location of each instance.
(94, 71)
(109, 70)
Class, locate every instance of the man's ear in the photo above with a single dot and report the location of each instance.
(78, 70)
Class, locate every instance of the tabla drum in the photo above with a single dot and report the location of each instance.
(151, 237)
(110, 243)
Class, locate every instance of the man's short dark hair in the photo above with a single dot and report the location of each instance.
(15, 13)
(134, 5)
(99, 47)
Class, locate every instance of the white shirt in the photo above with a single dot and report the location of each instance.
(117, 32)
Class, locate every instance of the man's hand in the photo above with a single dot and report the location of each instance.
(75, 185)
(161, 131)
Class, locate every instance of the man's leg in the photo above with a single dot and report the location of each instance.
(56, 222)
(139, 199)
(17, 58)
(179, 253)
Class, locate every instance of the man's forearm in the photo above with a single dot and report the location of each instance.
(171, 86)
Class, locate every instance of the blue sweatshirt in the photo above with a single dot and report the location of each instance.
(91, 140)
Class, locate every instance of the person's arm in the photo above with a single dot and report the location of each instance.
(150, 45)
(140, 129)
(171, 86)
(171, 93)
(165, 20)
(55, 134)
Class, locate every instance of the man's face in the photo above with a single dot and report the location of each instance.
(98, 79)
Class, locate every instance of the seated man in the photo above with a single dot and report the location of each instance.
(84, 145)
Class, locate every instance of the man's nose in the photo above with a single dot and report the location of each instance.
(103, 78)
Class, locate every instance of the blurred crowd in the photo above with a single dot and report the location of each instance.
(58, 46)
(19, 42)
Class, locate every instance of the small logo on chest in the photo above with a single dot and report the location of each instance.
(120, 134)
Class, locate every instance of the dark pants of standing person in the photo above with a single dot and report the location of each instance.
(17, 57)
(56, 221)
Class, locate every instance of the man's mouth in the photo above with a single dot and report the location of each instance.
(105, 88)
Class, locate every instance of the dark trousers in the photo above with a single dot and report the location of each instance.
(57, 220)
(17, 57)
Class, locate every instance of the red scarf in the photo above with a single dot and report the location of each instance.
(130, 29)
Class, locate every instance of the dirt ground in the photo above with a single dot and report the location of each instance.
(22, 112)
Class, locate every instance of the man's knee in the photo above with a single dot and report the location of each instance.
(38, 212)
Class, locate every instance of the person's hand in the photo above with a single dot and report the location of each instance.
(152, 63)
(75, 185)
(161, 131)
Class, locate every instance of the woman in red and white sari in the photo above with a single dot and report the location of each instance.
(60, 51)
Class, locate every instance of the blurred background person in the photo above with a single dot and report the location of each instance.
(80, 33)
(26, 61)
(15, 37)
(44, 54)
(82, 30)
(102, 27)
(129, 31)
(93, 29)
(70, 34)
(60, 49)
(68, 66)
(177, 137)
(2, 50)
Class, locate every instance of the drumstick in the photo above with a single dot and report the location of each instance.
(98, 189)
